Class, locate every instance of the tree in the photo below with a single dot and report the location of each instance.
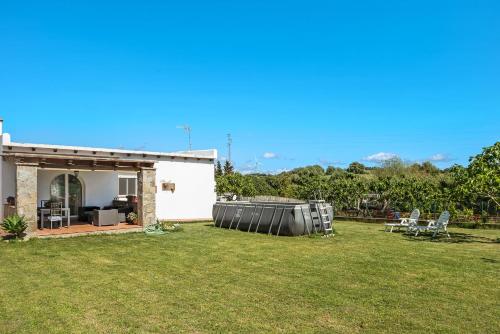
(483, 174)
(218, 169)
(356, 168)
(458, 191)
(236, 184)
(262, 185)
(429, 168)
(228, 168)
(346, 191)
(390, 168)
(426, 168)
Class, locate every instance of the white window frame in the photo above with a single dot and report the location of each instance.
(126, 185)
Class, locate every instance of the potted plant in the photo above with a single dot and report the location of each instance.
(15, 225)
(132, 218)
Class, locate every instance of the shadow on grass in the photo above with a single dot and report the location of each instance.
(485, 259)
(11, 237)
(454, 238)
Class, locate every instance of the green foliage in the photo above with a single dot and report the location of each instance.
(132, 217)
(236, 184)
(356, 168)
(228, 168)
(171, 227)
(483, 174)
(15, 225)
(425, 168)
(262, 185)
(484, 217)
(218, 169)
(467, 214)
(391, 168)
(154, 229)
(396, 185)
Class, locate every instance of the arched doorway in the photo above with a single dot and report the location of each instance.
(68, 189)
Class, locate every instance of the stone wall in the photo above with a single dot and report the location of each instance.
(26, 194)
(146, 196)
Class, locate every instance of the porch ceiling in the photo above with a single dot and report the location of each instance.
(79, 162)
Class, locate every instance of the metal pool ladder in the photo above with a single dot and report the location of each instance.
(324, 218)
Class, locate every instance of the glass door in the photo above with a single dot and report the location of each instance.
(67, 189)
(74, 194)
(58, 190)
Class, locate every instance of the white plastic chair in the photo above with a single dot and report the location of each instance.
(55, 214)
(433, 226)
(404, 222)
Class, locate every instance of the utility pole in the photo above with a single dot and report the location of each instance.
(186, 128)
(229, 143)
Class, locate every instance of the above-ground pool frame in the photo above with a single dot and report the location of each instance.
(316, 213)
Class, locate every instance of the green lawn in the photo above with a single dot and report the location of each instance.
(206, 279)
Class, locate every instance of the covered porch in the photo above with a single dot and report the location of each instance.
(87, 186)
(79, 228)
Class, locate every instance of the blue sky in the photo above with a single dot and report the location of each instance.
(294, 82)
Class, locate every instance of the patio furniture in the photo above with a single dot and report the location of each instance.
(105, 217)
(84, 211)
(123, 207)
(46, 212)
(9, 210)
(404, 222)
(433, 226)
(11, 200)
(56, 214)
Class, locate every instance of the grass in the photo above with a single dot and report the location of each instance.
(206, 279)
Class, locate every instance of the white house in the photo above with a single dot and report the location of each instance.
(170, 186)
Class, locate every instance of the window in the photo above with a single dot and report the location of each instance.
(127, 186)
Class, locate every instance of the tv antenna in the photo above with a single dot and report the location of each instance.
(187, 129)
(257, 164)
(229, 143)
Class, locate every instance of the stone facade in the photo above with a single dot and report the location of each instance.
(26, 194)
(146, 196)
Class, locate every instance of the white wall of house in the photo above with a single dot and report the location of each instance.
(99, 187)
(8, 180)
(194, 193)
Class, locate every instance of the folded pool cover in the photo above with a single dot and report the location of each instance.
(291, 219)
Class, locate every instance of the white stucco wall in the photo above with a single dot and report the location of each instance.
(8, 180)
(99, 187)
(194, 193)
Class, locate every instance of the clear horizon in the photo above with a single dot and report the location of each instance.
(295, 83)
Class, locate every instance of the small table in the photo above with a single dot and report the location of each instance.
(44, 212)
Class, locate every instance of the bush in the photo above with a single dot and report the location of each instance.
(467, 214)
(454, 213)
(132, 217)
(15, 225)
(170, 227)
(484, 217)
